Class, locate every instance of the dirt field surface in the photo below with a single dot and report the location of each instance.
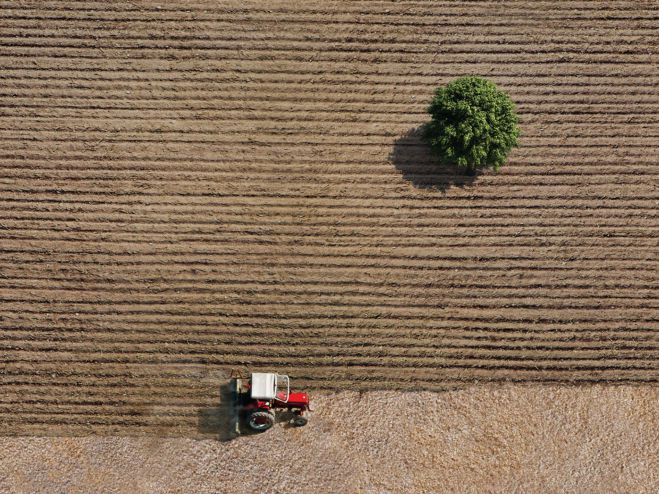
(187, 189)
(485, 439)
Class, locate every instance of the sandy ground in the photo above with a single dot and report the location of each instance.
(511, 438)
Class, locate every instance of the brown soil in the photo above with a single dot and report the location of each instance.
(188, 189)
(485, 439)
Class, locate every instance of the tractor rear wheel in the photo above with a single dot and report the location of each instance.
(299, 421)
(261, 420)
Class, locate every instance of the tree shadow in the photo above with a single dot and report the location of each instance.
(413, 157)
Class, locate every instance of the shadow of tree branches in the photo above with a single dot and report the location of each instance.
(412, 156)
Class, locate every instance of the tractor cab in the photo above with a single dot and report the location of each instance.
(269, 386)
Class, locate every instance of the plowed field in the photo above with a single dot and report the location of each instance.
(188, 189)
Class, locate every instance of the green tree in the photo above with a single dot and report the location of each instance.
(473, 125)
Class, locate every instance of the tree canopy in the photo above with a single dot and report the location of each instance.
(473, 124)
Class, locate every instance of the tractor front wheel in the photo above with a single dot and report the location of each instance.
(261, 420)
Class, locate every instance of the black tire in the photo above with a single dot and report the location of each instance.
(299, 421)
(261, 420)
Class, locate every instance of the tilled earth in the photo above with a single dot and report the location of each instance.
(188, 189)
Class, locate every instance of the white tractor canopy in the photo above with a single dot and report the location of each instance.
(269, 386)
(264, 386)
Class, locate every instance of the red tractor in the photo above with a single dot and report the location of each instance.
(264, 394)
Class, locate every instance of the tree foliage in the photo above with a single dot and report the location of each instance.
(473, 125)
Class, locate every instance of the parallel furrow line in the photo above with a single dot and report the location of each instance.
(330, 50)
(600, 316)
(643, 22)
(582, 209)
(391, 364)
(350, 346)
(119, 282)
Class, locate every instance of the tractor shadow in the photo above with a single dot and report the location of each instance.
(422, 168)
(220, 421)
